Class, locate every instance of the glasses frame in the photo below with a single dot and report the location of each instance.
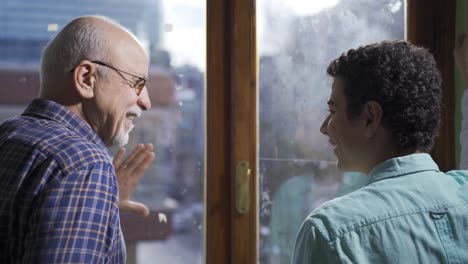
(138, 85)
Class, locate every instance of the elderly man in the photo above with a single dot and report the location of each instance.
(59, 195)
(384, 113)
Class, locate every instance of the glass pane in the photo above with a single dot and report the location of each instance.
(297, 40)
(173, 32)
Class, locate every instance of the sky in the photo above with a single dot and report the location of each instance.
(184, 25)
(184, 33)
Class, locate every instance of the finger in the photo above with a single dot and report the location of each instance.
(149, 147)
(135, 207)
(136, 164)
(137, 151)
(140, 158)
(143, 166)
(118, 157)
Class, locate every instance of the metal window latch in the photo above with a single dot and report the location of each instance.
(242, 187)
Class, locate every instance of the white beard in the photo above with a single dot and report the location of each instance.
(121, 138)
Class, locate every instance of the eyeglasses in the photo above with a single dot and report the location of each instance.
(138, 85)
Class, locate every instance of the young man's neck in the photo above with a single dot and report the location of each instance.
(386, 154)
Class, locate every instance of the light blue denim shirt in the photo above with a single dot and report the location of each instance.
(408, 212)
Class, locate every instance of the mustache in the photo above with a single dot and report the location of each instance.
(135, 110)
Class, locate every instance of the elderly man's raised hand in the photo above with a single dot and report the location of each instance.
(129, 173)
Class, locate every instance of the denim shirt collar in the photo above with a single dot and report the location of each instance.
(401, 166)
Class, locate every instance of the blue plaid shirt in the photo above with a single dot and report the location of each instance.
(58, 190)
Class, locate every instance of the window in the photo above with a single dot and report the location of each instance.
(297, 171)
(232, 90)
(174, 35)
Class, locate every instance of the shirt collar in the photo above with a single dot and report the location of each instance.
(402, 166)
(53, 111)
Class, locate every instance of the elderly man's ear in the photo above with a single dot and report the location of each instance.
(373, 114)
(85, 79)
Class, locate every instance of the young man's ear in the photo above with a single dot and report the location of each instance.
(84, 79)
(373, 114)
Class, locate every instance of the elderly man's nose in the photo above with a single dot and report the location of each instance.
(143, 100)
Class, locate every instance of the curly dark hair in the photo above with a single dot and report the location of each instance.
(404, 80)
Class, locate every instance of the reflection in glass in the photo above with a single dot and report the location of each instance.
(297, 40)
(173, 33)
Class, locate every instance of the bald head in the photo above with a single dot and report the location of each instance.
(84, 38)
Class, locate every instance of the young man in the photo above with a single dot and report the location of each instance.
(385, 106)
(59, 196)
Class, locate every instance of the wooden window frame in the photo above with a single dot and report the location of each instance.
(231, 109)
(431, 24)
(231, 129)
